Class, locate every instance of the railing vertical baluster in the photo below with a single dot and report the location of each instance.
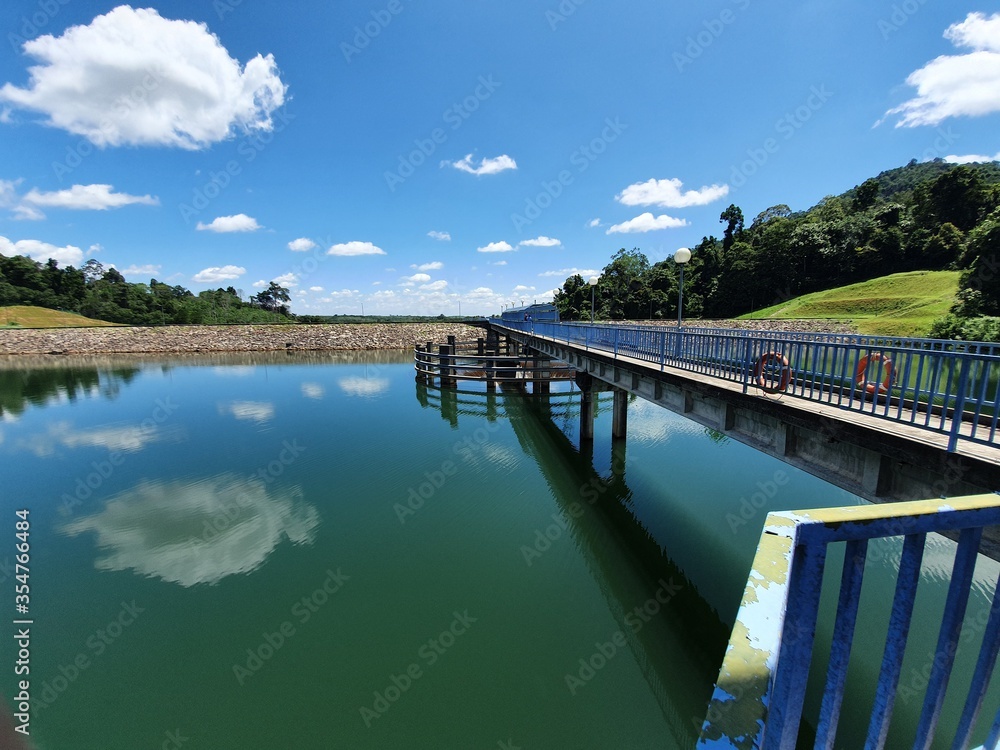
(959, 408)
(843, 638)
(895, 641)
(951, 626)
(981, 676)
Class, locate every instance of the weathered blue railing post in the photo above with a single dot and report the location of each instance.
(956, 415)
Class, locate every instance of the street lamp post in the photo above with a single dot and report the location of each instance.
(681, 257)
(593, 285)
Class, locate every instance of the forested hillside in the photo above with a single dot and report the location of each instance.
(928, 216)
(104, 294)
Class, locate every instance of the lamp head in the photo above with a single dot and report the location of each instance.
(682, 256)
(593, 281)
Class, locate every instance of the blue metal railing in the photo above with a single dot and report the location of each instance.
(925, 383)
(761, 689)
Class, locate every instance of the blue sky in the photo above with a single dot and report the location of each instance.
(436, 156)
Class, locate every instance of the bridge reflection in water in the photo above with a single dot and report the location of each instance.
(677, 532)
(679, 658)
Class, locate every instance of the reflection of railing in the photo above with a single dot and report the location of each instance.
(473, 360)
(919, 382)
(762, 685)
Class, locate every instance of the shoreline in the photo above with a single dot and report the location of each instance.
(175, 340)
(15, 342)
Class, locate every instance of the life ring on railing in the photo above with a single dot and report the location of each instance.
(766, 383)
(873, 386)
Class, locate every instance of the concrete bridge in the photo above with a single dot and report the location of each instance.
(886, 419)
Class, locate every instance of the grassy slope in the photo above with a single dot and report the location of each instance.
(25, 316)
(903, 304)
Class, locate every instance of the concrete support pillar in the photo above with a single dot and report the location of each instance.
(619, 417)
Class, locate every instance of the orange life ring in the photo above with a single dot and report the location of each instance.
(873, 386)
(765, 383)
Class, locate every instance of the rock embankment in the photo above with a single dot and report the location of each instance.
(242, 338)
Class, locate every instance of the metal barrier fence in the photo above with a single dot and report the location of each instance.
(919, 382)
(762, 685)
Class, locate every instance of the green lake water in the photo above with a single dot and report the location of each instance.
(315, 551)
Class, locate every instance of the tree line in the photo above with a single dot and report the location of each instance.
(103, 294)
(924, 216)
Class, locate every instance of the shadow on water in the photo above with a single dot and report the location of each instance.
(680, 658)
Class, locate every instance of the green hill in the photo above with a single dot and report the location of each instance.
(903, 304)
(26, 316)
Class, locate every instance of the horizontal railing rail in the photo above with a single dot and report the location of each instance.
(761, 690)
(956, 393)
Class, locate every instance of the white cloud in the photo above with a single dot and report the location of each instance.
(237, 223)
(668, 194)
(499, 263)
(355, 248)
(435, 286)
(957, 85)
(260, 284)
(315, 289)
(214, 274)
(445, 236)
(495, 247)
(493, 165)
(594, 223)
(542, 241)
(432, 266)
(147, 270)
(286, 279)
(24, 212)
(971, 158)
(131, 77)
(69, 255)
(301, 245)
(87, 198)
(646, 223)
(565, 273)
(520, 288)
(417, 278)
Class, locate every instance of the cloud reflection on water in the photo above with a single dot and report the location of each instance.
(363, 387)
(197, 532)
